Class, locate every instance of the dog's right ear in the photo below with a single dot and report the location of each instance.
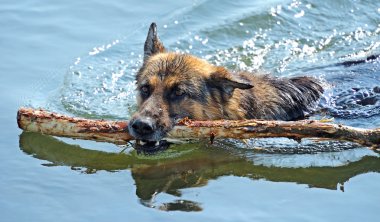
(153, 44)
(224, 81)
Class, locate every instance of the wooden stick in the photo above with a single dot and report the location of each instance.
(117, 131)
(38, 120)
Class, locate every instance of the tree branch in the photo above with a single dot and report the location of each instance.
(117, 131)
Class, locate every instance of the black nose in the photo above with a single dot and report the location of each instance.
(143, 126)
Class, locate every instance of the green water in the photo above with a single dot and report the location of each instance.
(80, 58)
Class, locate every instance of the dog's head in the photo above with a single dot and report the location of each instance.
(171, 86)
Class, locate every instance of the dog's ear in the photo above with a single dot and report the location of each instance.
(223, 80)
(152, 44)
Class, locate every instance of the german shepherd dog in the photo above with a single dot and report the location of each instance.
(172, 86)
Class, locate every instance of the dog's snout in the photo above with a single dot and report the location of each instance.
(143, 126)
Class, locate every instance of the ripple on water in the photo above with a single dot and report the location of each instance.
(354, 92)
(102, 85)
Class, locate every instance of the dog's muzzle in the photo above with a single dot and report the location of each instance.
(147, 136)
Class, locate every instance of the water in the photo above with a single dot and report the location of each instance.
(80, 59)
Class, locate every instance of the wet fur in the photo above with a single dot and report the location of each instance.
(172, 86)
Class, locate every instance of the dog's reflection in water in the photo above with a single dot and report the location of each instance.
(185, 166)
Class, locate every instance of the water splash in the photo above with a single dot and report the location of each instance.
(102, 84)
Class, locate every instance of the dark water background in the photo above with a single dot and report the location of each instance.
(80, 58)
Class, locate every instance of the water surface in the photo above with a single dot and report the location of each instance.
(81, 58)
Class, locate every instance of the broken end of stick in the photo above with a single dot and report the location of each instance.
(19, 117)
(24, 112)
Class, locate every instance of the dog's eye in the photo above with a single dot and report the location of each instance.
(145, 90)
(179, 92)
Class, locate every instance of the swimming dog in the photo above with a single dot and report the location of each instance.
(172, 86)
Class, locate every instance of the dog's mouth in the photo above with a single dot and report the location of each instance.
(151, 146)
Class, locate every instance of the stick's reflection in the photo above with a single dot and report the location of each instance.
(190, 169)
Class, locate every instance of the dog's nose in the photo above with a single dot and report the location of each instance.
(143, 126)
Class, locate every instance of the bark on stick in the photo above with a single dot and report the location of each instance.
(37, 120)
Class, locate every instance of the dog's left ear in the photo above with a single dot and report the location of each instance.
(152, 44)
(223, 80)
